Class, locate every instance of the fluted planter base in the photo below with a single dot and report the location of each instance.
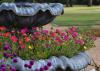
(75, 63)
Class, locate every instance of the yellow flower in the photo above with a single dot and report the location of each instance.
(30, 47)
(80, 37)
(85, 47)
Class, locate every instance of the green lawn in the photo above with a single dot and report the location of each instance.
(86, 16)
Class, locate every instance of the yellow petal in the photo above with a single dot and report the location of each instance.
(30, 47)
(85, 47)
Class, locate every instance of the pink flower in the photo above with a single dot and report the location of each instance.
(24, 34)
(58, 39)
(13, 39)
(94, 38)
(62, 34)
(74, 29)
(70, 31)
(58, 30)
(24, 30)
(81, 42)
(37, 33)
(45, 31)
(66, 37)
(33, 38)
(76, 41)
(22, 46)
(34, 28)
(74, 34)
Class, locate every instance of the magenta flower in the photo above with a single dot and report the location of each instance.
(63, 34)
(74, 34)
(3, 65)
(33, 37)
(46, 67)
(14, 54)
(15, 60)
(41, 69)
(6, 46)
(37, 33)
(65, 37)
(34, 28)
(58, 39)
(31, 62)
(13, 69)
(3, 68)
(58, 31)
(49, 64)
(45, 31)
(36, 70)
(74, 29)
(6, 55)
(26, 65)
(29, 66)
(77, 41)
(24, 30)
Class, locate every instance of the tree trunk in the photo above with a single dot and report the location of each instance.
(90, 2)
(71, 3)
(67, 3)
(23, 0)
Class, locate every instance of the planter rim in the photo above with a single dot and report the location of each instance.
(30, 9)
(78, 62)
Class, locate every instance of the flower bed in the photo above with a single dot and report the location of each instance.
(35, 44)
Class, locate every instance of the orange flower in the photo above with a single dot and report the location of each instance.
(53, 34)
(21, 41)
(6, 34)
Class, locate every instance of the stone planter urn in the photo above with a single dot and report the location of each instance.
(27, 14)
(24, 13)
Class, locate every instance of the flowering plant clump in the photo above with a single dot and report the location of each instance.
(37, 43)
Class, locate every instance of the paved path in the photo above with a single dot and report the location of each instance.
(95, 53)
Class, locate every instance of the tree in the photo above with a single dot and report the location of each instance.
(90, 2)
(69, 3)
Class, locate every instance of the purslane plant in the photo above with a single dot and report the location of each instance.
(41, 44)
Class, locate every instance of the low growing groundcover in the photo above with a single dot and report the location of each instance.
(41, 44)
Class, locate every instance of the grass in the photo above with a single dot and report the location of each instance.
(79, 16)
